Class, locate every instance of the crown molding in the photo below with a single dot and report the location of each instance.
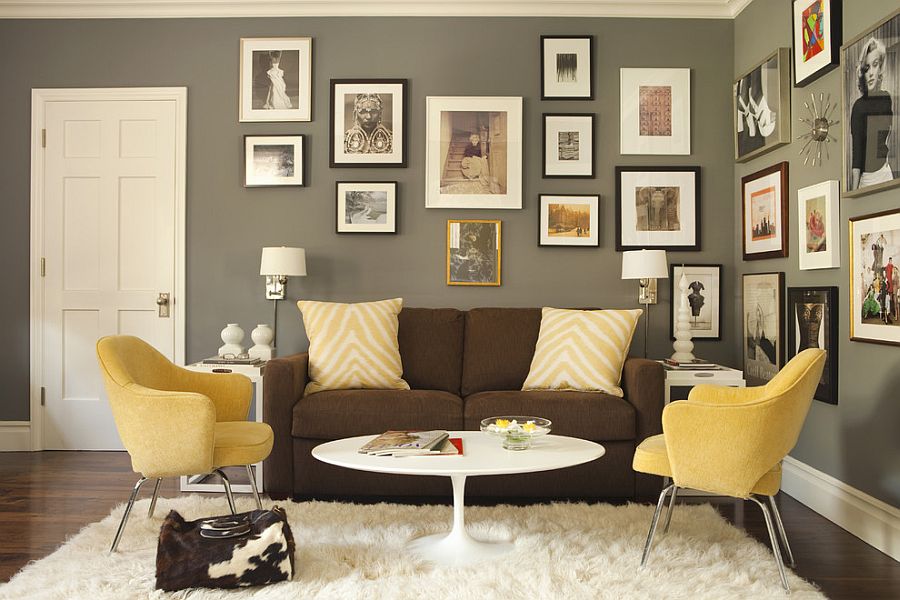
(148, 9)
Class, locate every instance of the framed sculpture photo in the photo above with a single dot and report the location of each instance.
(813, 323)
(870, 65)
(704, 298)
(567, 71)
(473, 252)
(762, 107)
(366, 206)
(875, 278)
(818, 217)
(817, 38)
(473, 152)
(763, 316)
(655, 109)
(276, 79)
(658, 207)
(765, 213)
(571, 220)
(568, 146)
(368, 123)
(273, 160)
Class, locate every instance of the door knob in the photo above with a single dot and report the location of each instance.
(162, 301)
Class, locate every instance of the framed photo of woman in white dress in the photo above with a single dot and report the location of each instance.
(276, 79)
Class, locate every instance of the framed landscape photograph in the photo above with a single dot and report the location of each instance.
(870, 65)
(273, 160)
(658, 208)
(572, 220)
(818, 218)
(473, 152)
(655, 109)
(276, 79)
(368, 123)
(567, 71)
(875, 278)
(813, 323)
(568, 146)
(704, 298)
(817, 38)
(366, 206)
(762, 107)
(765, 213)
(473, 252)
(763, 316)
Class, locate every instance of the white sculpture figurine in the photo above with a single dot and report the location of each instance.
(683, 345)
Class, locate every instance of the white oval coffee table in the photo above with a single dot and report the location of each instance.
(483, 455)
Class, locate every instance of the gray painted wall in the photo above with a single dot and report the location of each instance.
(855, 441)
(227, 224)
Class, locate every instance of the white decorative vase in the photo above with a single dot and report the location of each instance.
(262, 338)
(683, 345)
(232, 335)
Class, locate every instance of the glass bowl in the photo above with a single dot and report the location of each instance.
(516, 431)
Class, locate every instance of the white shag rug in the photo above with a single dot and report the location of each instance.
(565, 551)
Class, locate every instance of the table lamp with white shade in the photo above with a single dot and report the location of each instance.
(277, 264)
(646, 266)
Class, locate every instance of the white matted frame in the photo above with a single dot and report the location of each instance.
(817, 34)
(655, 109)
(568, 146)
(704, 299)
(658, 207)
(578, 228)
(372, 217)
(567, 69)
(253, 102)
(818, 220)
(274, 160)
(350, 145)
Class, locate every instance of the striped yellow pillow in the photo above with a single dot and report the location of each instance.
(581, 350)
(353, 346)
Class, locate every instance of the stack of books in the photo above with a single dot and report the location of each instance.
(413, 443)
(221, 360)
(696, 364)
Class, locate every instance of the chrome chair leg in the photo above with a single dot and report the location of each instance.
(153, 499)
(227, 485)
(670, 509)
(253, 486)
(782, 532)
(654, 523)
(775, 548)
(134, 493)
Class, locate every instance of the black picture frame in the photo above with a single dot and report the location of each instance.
(761, 371)
(834, 34)
(592, 240)
(673, 284)
(827, 297)
(692, 245)
(545, 94)
(590, 174)
(337, 158)
(250, 179)
(392, 206)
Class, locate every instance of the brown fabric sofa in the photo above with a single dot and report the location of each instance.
(462, 367)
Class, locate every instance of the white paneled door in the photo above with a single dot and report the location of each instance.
(109, 242)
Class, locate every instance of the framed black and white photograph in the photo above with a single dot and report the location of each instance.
(765, 213)
(570, 220)
(655, 111)
(870, 65)
(366, 206)
(567, 70)
(276, 79)
(473, 252)
(273, 160)
(762, 106)
(875, 278)
(818, 220)
(368, 123)
(568, 142)
(763, 320)
(817, 38)
(703, 297)
(473, 152)
(813, 323)
(658, 208)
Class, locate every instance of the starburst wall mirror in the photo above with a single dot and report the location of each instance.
(819, 122)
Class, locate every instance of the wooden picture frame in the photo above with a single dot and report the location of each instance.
(275, 79)
(474, 252)
(567, 67)
(569, 220)
(813, 323)
(817, 32)
(764, 200)
(568, 146)
(640, 223)
(874, 243)
(274, 160)
(761, 107)
(366, 207)
(367, 123)
(763, 312)
(705, 282)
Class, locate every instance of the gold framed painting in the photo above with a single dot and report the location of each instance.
(473, 252)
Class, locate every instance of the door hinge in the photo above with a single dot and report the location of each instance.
(43, 267)
(43, 138)
(43, 395)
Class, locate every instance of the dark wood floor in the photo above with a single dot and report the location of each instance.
(47, 496)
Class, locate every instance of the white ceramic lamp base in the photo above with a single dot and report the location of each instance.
(683, 345)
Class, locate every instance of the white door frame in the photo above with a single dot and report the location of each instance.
(39, 99)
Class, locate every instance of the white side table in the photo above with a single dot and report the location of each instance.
(196, 483)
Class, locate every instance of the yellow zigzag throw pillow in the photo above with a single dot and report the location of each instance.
(353, 346)
(581, 350)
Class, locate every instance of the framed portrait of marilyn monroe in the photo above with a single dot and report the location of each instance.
(276, 79)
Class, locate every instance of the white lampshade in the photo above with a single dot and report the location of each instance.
(644, 264)
(290, 262)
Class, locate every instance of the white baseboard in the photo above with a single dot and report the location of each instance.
(871, 520)
(15, 436)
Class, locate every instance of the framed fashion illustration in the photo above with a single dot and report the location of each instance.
(273, 160)
(366, 206)
(658, 208)
(762, 318)
(276, 79)
(765, 213)
(816, 38)
(870, 74)
(875, 278)
(704, 298)
(568, 146)
(762, 106)
(368, 123)
(567, 70)
(473, 252)
(818, 220)
(569, 220)
(655, 110)
(813, 323)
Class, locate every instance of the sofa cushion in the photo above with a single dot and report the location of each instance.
(588, 415)
(499, 346)
(431, 346)
(335, 414)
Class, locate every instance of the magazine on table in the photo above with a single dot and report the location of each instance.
(412, 443)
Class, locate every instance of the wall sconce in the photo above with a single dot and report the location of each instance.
(646, 266)
(277, 264)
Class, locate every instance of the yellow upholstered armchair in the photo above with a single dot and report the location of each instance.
(177, 422)
(730, 441)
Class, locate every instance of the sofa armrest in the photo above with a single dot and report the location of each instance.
(643, 382)
(284, 381)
